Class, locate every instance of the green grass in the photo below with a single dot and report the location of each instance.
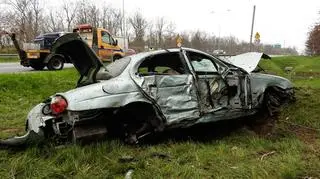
(295, 151)
(20, 92)
(299, 64)
(8, 59)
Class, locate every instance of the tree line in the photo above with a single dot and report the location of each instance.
(313, 41)
(29, 18)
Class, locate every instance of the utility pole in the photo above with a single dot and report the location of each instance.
(124, 29)
(254, 12)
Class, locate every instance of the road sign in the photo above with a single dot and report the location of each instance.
(257, 36)
(179, 41)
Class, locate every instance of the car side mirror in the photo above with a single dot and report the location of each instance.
(115, 42)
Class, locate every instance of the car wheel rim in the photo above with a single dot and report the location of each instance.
(56, 64)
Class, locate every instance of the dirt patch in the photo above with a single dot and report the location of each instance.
(307, 74)
(306, 134)
(11, 130)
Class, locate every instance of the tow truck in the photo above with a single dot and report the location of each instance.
(38, 54)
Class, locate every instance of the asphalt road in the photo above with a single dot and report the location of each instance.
(16, 68)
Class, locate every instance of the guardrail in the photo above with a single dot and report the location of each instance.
(8, 55)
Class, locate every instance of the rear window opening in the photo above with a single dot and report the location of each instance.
(113, 69)
(162, 64)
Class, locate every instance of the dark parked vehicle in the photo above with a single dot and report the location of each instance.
(151, 92)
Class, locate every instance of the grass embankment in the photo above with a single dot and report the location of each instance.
(8, 59)
(8, 50)
(292, 152)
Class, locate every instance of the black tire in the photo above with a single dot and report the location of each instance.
(56, 63)
(37, 66)
(263, 122)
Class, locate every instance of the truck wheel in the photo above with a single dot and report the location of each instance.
(55, 63)
(116, 57)
(37, 66)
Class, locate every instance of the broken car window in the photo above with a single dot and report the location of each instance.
(162, 64)
(202, 63)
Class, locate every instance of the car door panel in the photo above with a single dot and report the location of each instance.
(175, 94)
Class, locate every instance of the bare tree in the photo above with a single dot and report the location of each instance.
(93, 15)
(69, 11)
(111, 19)
(160, 25)
(170, 35)
(82, 12)
(26, 16)
(139, 25)
(53, 22)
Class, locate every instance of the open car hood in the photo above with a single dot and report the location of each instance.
(80, 54)
(247, 61)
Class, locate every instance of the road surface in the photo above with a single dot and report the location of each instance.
(16, 67)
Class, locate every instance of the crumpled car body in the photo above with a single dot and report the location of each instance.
(150, 92)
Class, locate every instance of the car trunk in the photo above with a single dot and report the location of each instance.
(81, 55)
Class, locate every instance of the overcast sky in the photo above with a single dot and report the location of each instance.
(278, 21)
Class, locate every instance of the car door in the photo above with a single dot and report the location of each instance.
(221, 88)
(106, 46)
(168, 82)
(213, 90)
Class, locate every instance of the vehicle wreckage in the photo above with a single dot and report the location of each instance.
(150, 92)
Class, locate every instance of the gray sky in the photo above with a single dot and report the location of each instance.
(278, 21)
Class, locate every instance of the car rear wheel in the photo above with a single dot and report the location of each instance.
(138, 120)
(55, 63)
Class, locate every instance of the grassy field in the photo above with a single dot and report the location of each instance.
(293, 150)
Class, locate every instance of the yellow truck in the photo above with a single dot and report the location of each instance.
(37, 54)
(101, 41)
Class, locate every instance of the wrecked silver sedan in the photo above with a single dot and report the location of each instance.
(151, 92)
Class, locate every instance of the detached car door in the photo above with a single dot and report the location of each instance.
(168, 82)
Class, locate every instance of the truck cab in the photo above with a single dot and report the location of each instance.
(101, 41)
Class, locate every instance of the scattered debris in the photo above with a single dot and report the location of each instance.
(288, 69)
(267, 154)
(126, 158)
(129, 174)
(160, 155)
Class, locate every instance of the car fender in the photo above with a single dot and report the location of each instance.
(261, 82)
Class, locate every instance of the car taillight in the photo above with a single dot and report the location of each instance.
(58, 104)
